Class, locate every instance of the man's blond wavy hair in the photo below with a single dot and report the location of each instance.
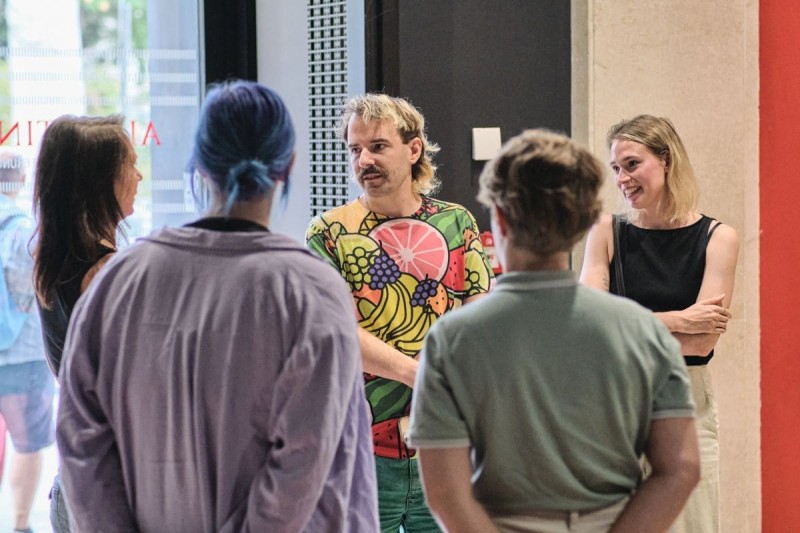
(410, 124)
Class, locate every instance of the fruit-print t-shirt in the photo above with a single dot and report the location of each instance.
(404, 274)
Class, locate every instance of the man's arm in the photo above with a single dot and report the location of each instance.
(673, 453)
(446, 480)
(380, 359)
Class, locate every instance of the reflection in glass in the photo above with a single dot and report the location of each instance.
(98, 57)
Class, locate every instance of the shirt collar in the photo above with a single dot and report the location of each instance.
(531, 281)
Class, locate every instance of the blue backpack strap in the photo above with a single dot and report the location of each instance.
(12, 319)
(9, 219)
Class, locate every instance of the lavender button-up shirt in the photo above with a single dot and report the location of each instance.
(212, 382)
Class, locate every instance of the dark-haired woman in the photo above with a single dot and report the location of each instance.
(86, 183)
(212, 380)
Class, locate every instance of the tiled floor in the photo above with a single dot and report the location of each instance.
(40, 515)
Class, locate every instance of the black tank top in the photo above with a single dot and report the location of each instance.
(663, 269)
(56, 319)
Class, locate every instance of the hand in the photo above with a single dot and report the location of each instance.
(705, 316)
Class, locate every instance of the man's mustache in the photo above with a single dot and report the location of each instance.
(370, 170)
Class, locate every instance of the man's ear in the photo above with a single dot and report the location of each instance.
(500, 220)
(415, 145)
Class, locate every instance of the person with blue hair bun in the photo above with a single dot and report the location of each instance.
(212, 377)
(244, 144)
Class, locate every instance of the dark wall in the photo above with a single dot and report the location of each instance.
(470, 64)
(230, 40)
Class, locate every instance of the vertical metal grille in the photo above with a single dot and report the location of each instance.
(327, 71)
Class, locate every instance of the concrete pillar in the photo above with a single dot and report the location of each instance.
(696, 63)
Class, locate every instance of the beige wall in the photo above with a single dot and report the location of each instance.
(696, 63)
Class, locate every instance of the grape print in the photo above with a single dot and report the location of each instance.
(382, 272)
(425, 289)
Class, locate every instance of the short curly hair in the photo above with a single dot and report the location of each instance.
(410, 124)
(547, 187)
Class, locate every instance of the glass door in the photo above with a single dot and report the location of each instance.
(140, 58)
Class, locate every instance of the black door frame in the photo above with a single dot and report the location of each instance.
(229, 35)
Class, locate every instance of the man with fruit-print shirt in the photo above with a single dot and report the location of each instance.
(408, 259)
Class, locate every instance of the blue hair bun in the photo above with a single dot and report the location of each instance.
(248, 178)
(244, 140)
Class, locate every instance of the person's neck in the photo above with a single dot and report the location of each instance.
(257, 210)
(392, 206)
(518, 260)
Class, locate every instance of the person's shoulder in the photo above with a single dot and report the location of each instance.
(604, 220)
(602, 229)
(278, 254)
(112, 262)
(437, 205)
(443, 212)
(136, 256)
(470, 317)
(723, 244)
(298, 261)
(303, 269)
(277, 241)
(338, 212)
(17, 217)
(723, 233)
(347, 214)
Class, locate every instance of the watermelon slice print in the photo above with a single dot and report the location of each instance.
(417, 247)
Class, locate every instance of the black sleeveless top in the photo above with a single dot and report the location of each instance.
(56, 319)
(663, 269)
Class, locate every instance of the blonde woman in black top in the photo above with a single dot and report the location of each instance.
(675, 261)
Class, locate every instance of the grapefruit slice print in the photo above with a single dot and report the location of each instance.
(417, 248)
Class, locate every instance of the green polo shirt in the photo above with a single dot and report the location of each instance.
(553, 386)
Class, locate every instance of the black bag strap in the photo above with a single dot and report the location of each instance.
(615, 228)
